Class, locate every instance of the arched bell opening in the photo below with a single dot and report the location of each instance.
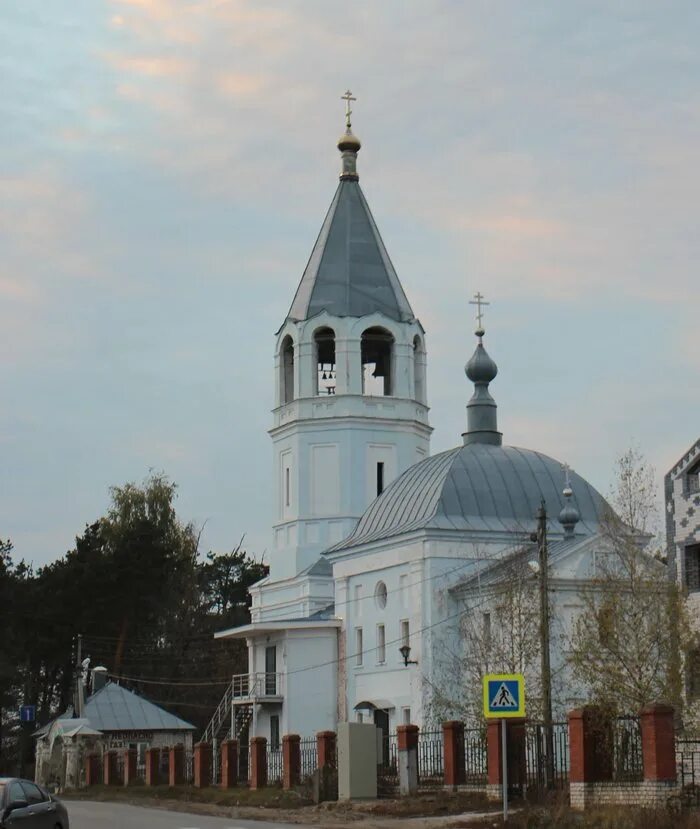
(418, 369)
(377, 362)
(287, 370)
(324, 341)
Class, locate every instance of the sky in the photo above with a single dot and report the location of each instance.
(165, 166)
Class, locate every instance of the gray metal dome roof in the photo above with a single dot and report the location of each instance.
(477, 487)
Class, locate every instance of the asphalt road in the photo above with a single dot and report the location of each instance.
(84, 815)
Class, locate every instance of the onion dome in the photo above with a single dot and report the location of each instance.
(569, 515)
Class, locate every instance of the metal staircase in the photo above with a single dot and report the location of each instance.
(227, 724)
(220, 724)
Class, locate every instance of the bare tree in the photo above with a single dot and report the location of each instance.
(626, 643)
(498, 632)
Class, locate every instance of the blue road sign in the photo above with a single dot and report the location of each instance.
(504, 695)
(27, 713)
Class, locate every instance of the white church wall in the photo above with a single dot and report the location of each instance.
(311, 692)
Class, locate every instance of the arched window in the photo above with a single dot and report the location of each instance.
(287, 390)
(377, 362)
(324, 340)
(418, 370)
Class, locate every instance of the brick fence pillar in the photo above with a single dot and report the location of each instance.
(658, 742)
(110, 774)
(229, 764)
(407, 741)
(152, 774)
(130, 758)
(326, 749)
(590, 745)
(176, 765)
(515, 736)
(202, 765)
(291, 760)
(92, 769)
(258, 762)
(453, 752)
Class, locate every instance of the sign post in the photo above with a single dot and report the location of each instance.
(504, 698)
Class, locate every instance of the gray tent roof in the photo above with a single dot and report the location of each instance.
(349, 273)
(477, 487)
(114, 708)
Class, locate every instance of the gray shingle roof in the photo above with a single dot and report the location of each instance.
(349, 273)
(477, 487)
(113, 708)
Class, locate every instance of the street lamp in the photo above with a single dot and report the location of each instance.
(405, 651)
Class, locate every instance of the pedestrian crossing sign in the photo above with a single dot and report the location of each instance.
(504, 696)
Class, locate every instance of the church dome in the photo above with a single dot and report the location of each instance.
(478, 487)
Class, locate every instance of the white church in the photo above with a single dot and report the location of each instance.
(380, 550)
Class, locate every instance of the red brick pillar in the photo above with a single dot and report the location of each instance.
(453, 752)
(515, 736)
(258, 762)
(152, 767)
(326, 749)
(658, 742)
(92, 769)
(176, 766)
(291, 760)
(202, 765)
(229, 764)
(130, 757)
(109, 769)
(407, 743)
(590, 745)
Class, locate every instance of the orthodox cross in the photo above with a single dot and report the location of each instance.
(348, 112)
(479, 301)
(567, 479)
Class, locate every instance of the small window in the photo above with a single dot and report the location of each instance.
(324, 340)
(287, 486)
(692, 567)
(287, 390)
(403, 590)
(358, 647)
(377, 348)
(380, 477)
(380, 594)
(358, 600)
(693, 479)
(360, 716)
(381, 645)
(406, 716)
(274, 732)
(405, 633)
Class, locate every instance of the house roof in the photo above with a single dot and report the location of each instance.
(114, 708)
(349, 273)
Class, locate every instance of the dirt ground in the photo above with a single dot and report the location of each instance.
(439, 810)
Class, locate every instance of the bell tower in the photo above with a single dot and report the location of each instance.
(351, 409)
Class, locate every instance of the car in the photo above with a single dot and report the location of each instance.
(24, 804)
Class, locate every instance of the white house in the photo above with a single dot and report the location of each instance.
(377, 544)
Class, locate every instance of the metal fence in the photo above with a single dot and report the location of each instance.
(430, 758)
(688, 770)
(388, 766)
(543, 773)
(308, 748)
(244, 763)
(627, 749)
(274, 765)
(475, 756)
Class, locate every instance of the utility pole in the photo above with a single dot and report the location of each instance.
(78, 698)
(546, 670)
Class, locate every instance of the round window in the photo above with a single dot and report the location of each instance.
(380, 594)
